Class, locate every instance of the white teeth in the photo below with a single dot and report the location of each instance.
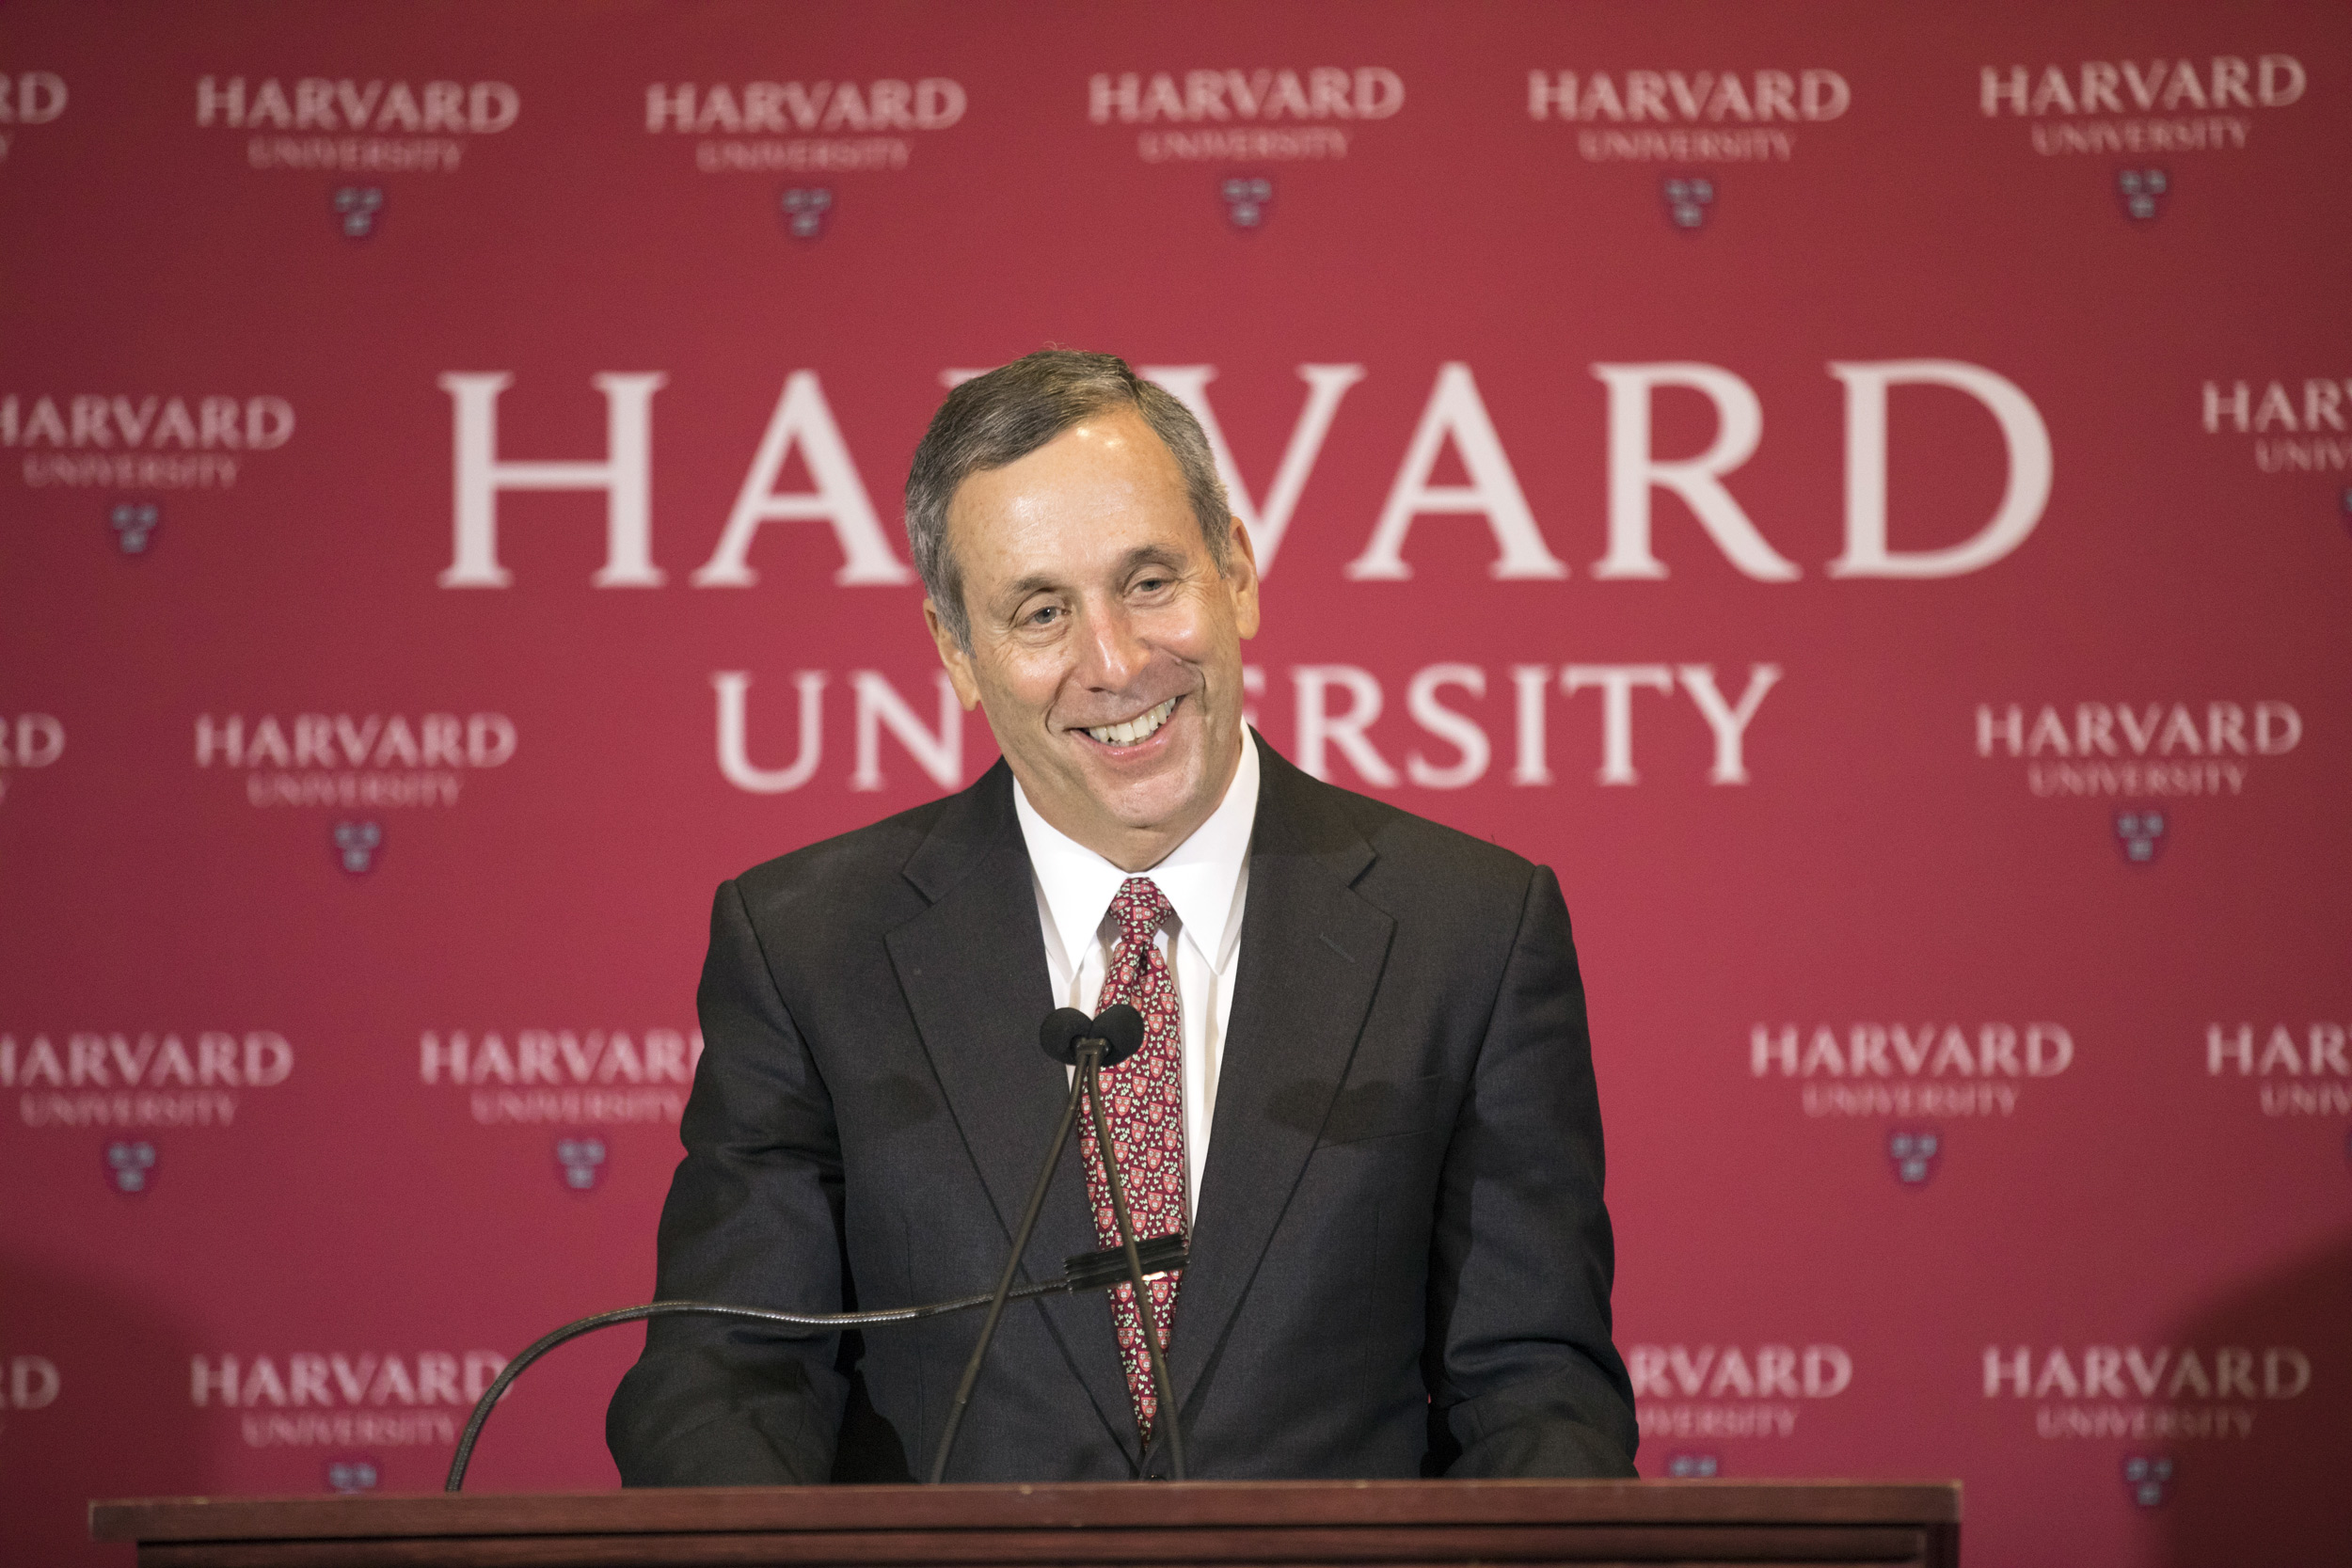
(1139, 728)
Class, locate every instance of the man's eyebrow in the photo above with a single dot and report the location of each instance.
(1020, 588)
(1151, 555)
(1141, 556)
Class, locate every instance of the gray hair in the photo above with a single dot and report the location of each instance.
(1002, 416)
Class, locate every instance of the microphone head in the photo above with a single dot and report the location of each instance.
(1061, 1032)
(1121, 1027)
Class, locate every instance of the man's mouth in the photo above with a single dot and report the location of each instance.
(1141, 727)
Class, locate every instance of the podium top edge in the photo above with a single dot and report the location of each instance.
(1072, 1505)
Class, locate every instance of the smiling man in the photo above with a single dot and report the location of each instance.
(1365, 1093)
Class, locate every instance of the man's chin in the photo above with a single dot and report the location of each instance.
(1145, 804)
(1142, 800)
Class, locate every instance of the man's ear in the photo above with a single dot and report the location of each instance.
(1240, 579)
(953, 654)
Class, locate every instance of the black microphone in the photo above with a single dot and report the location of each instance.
(1060, 1032)
(1120, 1028)
(1072, 1038)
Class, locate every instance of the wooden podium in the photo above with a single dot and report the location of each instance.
(1160, 1523)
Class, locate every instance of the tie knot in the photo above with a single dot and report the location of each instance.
(1140, 907)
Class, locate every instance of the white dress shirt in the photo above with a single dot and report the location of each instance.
(1206, 879)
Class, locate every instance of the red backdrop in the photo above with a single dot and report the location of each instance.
(1861, 492)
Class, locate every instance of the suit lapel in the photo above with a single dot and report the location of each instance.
(1311, 959)
(972, 970)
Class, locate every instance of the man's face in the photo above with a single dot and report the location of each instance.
(1106, 643)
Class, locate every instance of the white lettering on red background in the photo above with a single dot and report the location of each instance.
(1710, 1392)
(1689, 97)
(1454, 419)
(1453, 710)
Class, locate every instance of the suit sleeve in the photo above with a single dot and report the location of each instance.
(754, 1218)
(1525, 1379)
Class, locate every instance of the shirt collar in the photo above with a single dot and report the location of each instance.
(1199, 875)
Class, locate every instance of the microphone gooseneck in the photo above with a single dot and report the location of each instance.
(1089, 1064)
(1067, 1036)
(1060, 1032)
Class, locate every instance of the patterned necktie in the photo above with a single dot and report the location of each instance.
(1144, 1100)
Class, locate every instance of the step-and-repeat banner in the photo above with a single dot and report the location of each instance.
(1860, 490)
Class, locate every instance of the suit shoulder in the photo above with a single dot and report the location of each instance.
(1461, 904)
(1412, 846)
(1417, 844)
(846, 868)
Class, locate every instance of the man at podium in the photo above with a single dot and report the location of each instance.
(1364, 1095)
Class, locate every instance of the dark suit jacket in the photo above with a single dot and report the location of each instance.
(1400, 1260)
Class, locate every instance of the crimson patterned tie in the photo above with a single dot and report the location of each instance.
(1143, 1099)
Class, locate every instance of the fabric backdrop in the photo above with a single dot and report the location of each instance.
(1861, 490)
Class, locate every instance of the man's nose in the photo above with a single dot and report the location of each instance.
(1112, 655)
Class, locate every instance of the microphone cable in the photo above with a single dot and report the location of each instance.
(1089, 1271)
(1069, 1036)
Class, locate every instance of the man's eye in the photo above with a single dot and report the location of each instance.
(1044, 614)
